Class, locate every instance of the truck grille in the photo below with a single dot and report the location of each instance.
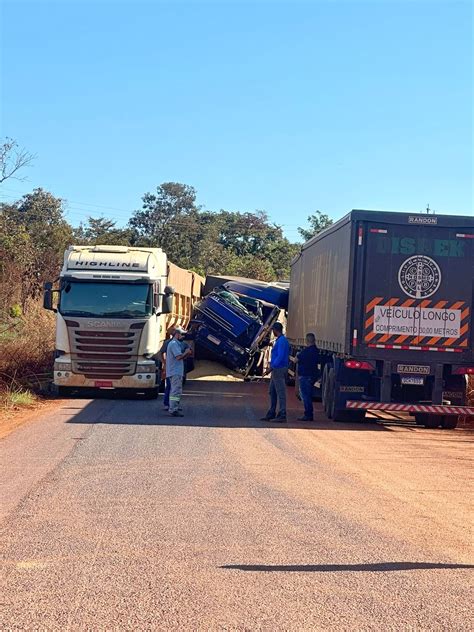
(105, 354)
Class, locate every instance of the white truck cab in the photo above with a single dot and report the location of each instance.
(110, 309)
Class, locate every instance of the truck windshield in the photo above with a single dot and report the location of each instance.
(106, 300)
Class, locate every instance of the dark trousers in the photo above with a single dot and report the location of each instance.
(166, 396)
(306, 392)
(277, 391)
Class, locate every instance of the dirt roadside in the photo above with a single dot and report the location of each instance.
(13, 418)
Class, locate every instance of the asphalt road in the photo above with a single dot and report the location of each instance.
(117, 517)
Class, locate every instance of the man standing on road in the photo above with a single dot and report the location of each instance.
(308, 373)
(161, 358)
(175, 369)
(278, 369)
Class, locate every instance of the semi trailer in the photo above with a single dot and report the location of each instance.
(114, 308)
(389, 297)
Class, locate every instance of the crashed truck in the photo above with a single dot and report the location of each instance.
(235, 319)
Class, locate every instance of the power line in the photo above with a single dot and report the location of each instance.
(128, 213)
(77, 214)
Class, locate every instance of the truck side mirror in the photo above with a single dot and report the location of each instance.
(168, 300)
(48, 297)
(156, 300)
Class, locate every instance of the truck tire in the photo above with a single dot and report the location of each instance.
(324, 388)
(151, 393)
(449, 422)
(354, 416)
(428, 420)
(330, 395)
(296, 385)
(53, 389)
(337, 414)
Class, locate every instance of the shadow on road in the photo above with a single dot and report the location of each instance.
(208, 404)
(331, 568)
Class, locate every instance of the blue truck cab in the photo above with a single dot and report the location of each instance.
(235, 319)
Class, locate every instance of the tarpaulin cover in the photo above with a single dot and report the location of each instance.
(275, 294)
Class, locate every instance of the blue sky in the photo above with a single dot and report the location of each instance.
(285, 107)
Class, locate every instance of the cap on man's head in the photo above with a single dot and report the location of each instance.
(277, 327)
(180, 330)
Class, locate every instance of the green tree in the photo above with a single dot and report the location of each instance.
(100, 230)
(252, 235)
(42, 236)
(168, 220)
(317, 223)
(225, 242)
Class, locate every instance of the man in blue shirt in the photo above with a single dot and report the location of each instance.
(175, 357)
(308, 373)
(278, 369)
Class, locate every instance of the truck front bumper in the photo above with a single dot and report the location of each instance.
(139, 381)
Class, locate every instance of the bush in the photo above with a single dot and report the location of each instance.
(26, 356)
(15, 311)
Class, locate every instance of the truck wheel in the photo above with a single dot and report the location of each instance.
(330, 394)
(324, 388)
(449, 422)
(338, 414)
(290, 381)
(349, 415)
(428, 420)
(297, 385)
(151, 393)
(53, 389)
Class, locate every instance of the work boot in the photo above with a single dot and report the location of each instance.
(304, 418)
(177, 413)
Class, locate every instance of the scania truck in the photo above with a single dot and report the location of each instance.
(114, 306)
(389, 297)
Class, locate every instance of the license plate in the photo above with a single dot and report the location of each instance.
(413, 379)
(413, 368)
(103, 384)
(213, 339)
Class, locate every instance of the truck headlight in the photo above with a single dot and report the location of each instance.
(62, 366)
(149, 367)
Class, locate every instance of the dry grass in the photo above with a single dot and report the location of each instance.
(14, 398)
(26, 351)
